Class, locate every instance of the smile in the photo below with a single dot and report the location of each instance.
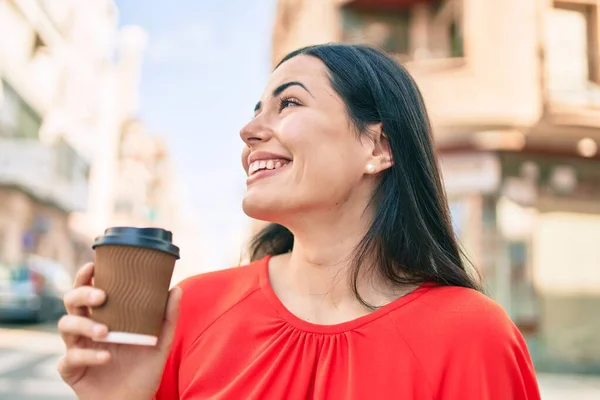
(262, 165)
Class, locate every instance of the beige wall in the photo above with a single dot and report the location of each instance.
(567, 253)
(493, 84)
(498, 81)
(570, 330)
(300, 23)
(566, 260)
(17, 214)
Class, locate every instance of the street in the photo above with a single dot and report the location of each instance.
(29, 355)
(28, 358)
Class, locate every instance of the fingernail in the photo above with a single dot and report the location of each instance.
(96, 295)
(102, 356)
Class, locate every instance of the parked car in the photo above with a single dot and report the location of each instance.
(33, 290)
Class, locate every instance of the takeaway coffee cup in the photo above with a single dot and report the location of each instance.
(134, 267)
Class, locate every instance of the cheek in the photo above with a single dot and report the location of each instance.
(307, 138)
(294, 132)
(323, 154)
(329, 172)
(244, 157)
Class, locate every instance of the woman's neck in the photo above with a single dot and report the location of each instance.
(317, 275)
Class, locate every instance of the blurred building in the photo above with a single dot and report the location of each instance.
(120, 105)
(144, 182)
(43, 173)
(73, 157)
(147, 193)
(512, 90)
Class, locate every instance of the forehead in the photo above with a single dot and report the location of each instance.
(305, 69)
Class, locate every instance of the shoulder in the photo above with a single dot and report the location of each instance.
(206, 297)
(464, 316)
(449, 322)
(455, 328)
(217, 283)
(457, 307)
(465, 340)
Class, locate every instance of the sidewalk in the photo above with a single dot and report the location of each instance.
(569, 387)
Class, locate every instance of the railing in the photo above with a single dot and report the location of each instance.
(587, 95)
(34, 167)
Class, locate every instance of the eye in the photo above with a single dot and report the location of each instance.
(288, 102)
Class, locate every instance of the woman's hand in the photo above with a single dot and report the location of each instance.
(97, 370)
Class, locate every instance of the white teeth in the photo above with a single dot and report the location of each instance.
(266, 164)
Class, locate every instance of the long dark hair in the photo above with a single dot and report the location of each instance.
(411, 239)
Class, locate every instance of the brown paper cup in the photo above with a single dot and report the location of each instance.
(136, 281)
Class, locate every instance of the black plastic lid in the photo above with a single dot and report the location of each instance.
(151, 238)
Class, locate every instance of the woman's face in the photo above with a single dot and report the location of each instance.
(302, 154)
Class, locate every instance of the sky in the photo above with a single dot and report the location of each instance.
(206, 64)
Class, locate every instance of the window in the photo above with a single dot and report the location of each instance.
(17, 118)
(445, 30)
(524, 302)
(29, 122)
(456, 40)
(9, 110)
(422, 31)
(66, 160)
(387, 31)
(571, 53)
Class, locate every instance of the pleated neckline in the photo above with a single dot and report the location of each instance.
(293, 320)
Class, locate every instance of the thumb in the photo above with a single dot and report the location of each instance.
(170, 323)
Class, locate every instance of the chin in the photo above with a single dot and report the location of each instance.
(257, 210)
(262, 207)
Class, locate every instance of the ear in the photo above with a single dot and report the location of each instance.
(380, 157)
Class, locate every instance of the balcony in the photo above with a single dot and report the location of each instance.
(476, 82)
(383, 5)
(53, 174)
(465, 81)
(460, 94)
(574, 106)
(572, 70)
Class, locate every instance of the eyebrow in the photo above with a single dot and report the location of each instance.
(279, 89)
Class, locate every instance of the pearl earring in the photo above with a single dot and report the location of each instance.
(370, 168)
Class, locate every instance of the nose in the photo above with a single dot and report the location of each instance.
(255, 131)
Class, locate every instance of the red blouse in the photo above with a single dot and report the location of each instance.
(236, 341)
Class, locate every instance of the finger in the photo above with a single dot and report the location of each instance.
(72, 327)
(79, 299)
(76, 358)
(170, 322)
(84, 275)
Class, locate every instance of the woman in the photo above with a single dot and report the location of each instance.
(356, 291)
